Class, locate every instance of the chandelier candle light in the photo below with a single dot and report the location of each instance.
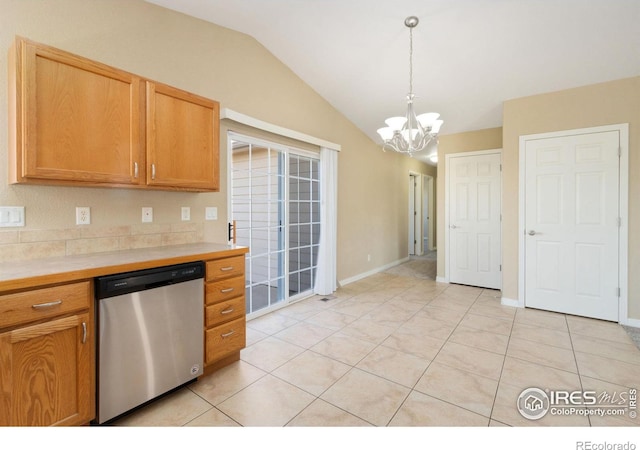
(410, 134)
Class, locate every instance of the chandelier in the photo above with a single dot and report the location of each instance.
(410, 134)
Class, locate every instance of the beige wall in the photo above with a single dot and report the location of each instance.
(471, 141)
(595, 105)
(217, 63)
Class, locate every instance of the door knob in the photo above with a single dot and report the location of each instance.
(453, 227)
(532, 233)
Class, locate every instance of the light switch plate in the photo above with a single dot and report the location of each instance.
(11, 216)
(186, 213)
(147, 214)
(211, 213)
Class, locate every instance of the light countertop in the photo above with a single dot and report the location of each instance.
(32, 273)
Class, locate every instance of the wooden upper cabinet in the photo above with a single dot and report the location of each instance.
(76, 120)
(182, 139)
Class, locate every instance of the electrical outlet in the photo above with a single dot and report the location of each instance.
(147, 214)
(83, 215)
(186, 213)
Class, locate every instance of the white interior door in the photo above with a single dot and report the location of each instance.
(572, 224)
(474, 220)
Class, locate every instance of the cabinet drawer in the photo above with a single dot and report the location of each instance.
(224, 340)
(224, 289)
(225, 268)
(224, 311)
(30, 306)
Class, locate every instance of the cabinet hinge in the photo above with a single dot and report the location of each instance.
(619, 221)
(619, 151)
(500, 267)
(618, 292)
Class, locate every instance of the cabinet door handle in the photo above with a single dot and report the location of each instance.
(225, 291)
(135, 170)
(226, 269)
(153, 171)
(227, 311)
(47, 305)
(226, 335)
(84, 332)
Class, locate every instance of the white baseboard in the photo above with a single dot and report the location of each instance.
(623, 321)
(442, 280)
(510, 302)
(372, 272)
(630, 322)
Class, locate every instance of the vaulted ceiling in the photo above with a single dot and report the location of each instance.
(469, 55)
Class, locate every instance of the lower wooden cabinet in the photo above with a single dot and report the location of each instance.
(225, 323)
(46, 373)
(224, 340)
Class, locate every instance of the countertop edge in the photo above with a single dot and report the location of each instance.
(83, 267)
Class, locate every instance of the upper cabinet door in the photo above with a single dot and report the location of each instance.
(76, 120)
(182, 139)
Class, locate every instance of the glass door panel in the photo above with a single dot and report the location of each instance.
(257, 206)
(304, 223)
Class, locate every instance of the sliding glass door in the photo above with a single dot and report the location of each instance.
(274, 193)
(304, 223)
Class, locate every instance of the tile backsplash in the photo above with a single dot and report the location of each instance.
(17, 245)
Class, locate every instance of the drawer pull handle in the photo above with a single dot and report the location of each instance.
(226, 291)
(47, 305)
(226, 335)
(227, 311)
(226, 269)
(84, 332)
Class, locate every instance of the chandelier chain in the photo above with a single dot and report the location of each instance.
(410, 60)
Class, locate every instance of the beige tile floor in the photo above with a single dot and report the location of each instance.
(399, 349)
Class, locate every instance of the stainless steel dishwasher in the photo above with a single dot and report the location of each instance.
(150, 335)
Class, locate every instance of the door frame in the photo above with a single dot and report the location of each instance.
(427, 193)
(447, 195)
(623, 211)
(415, 205)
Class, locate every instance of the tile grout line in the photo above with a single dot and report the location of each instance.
(575, 359)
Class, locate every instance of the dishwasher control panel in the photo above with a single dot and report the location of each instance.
(127, 282)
